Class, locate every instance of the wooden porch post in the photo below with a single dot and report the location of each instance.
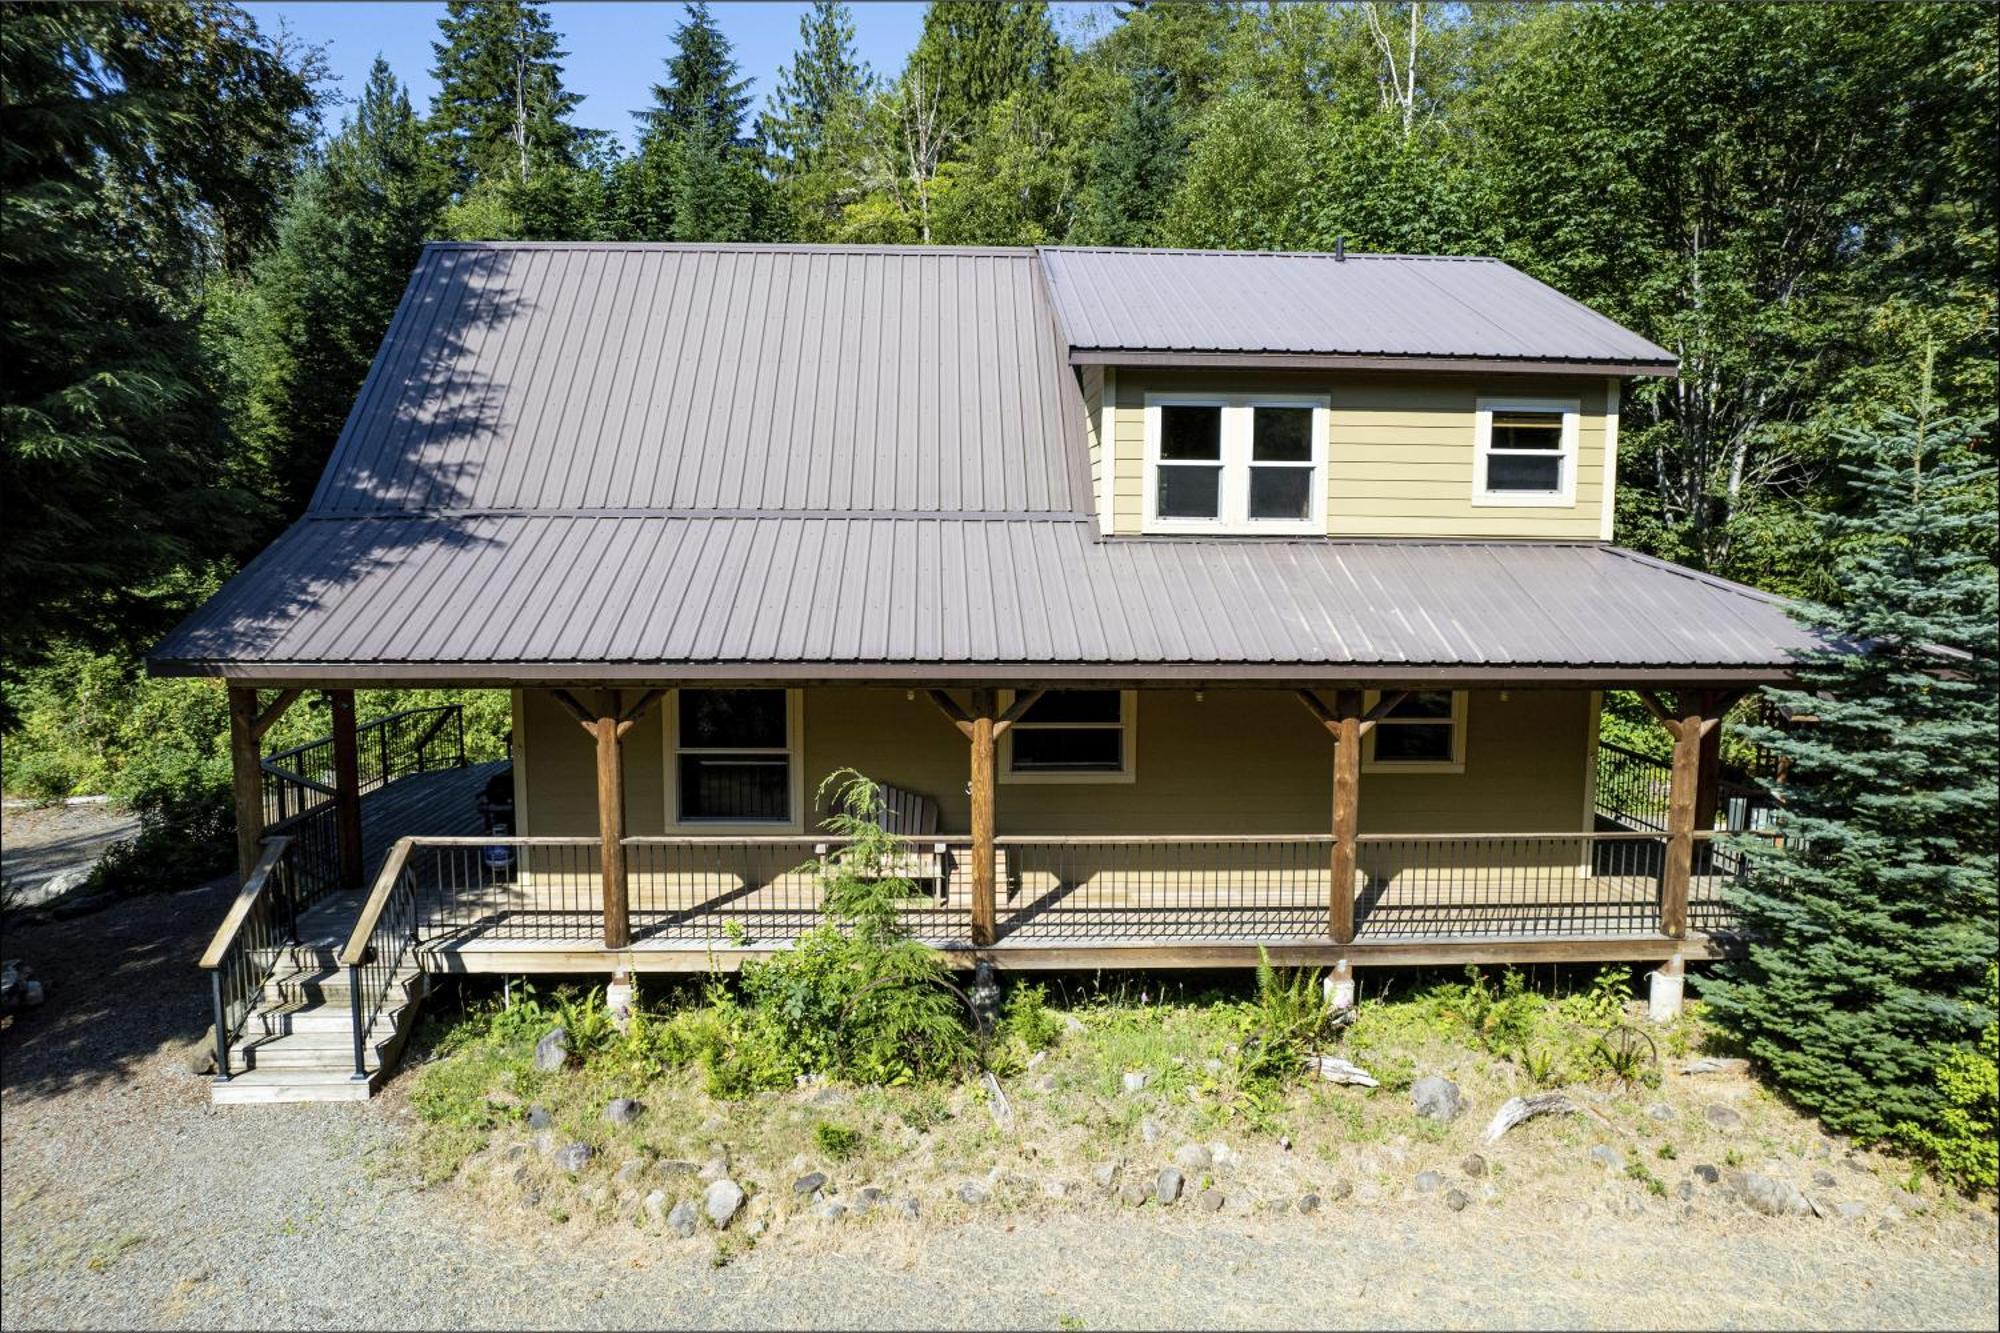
(982, 818)
(1346, 813)
(611, 826)
(246, 778)
(1695, 723)
(1708, 771)
(347, 785)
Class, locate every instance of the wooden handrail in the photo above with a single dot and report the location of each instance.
(356, 951)
(239, 911)
(1650, 835)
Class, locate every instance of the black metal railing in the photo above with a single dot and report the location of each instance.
(246, 949)
(1132, 889)
(1508, 885)
(1633, 789)
(396, 745)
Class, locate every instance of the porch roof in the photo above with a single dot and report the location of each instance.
(593, 595)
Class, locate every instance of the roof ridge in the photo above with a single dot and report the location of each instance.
(1340, 257)
(747, 247)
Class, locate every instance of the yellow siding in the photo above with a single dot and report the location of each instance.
(1400, 451)
(1093, 410)
(1240, 761)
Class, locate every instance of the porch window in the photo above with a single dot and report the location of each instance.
(1423, 733)
(1526, 452)
(733, 757)
(1235, 464)
(1072, 736)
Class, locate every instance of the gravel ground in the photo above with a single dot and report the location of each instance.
(130, 1202)
(37, 842)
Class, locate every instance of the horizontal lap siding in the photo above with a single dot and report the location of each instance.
(1401, 451)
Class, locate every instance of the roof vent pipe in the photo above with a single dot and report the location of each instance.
(1340, 249)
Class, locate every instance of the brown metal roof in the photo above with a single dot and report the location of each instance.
(807, 596)
(524, 376)
(1199, 306)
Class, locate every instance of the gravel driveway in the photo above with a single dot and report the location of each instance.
(129, 1201)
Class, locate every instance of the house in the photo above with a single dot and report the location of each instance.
(1186, 602)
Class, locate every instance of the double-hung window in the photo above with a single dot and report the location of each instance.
(1072, 736)
(733, 756)
(1425, 733)
(1526, 452)
(1235, 463)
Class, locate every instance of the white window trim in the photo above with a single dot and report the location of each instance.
(1236, 463)
(1128, 717)
(1482, 440)
(517, 757)
(1456, 764)
(1609, 510)
(795, 737)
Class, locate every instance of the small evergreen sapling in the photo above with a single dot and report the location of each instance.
(1873, 920)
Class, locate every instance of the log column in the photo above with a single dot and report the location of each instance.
(1695, 723)
(347, 785)
(246, 779)
(982, 738)
(607, 726)
(1346, 813)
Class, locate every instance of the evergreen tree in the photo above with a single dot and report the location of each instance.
(976, 53)
(1873, 924)
(501, 113)
(695, 178)
(1134, 171)
(820, 95)
(307, 328)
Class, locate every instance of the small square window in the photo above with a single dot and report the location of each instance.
(1190, 434)
(1190, 492)
(1426, 730)
(1526, 453)
(1524, 472)
(1072, 735)
(1281, 492)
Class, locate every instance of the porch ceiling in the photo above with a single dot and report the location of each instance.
(514, 597)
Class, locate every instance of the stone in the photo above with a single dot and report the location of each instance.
(1713, 1065)
(1134, 1193)
(830, 1210)
(656, 1206)
(1284, 1143)
(1426, 1182)
(1167, 1185)
(867, 1197)
(1722, 1117)
(1474, 1165)
(673, 1168)
(1820, 1207)
(1192, 1157)
(1210, 1200)
(1105, 1174)
(1054, 1189)
(973, 1192)
(1607, 1157)
(1660, 1111)
(573, 1158)
(629, 1171)
(1823, 1179)
(1853, 1211)
(682, 1217)
(758, 1226)
(1708, 1175)
(1685, 1190)
(908, 1208)
(1149, 1130)
(1045, 1083)
(1339, 1189)
(722, 1201)
(1768, 1195)
(1436, 1098)
(1135, 1080)
(622, 1110)
(714, 1169)
(1221, 1154)
(552, 1051)
(1309, 1204)
(539, 1118)
(545, 1143)
(1456, 1200)
(809, 1183)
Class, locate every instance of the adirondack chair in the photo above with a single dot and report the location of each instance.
(910, 816)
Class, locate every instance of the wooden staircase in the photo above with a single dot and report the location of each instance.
(298, 1043)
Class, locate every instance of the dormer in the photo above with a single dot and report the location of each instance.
(1344, 395)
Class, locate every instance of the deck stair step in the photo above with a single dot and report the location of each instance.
(298, 1043)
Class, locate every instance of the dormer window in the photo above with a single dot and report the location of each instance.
(1525, 452)
(1235, 463)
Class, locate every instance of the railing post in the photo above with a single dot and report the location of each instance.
(382, 753)
(458, 726)
(354, 1017)
(983, 860)
(1346, 814)
(221, 1026)
(247, 777)
(346, 786)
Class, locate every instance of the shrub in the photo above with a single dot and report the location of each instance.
(1027, 1019)
(1960, 1143)
(836, 1141)
(1503, 1022)
(1289, 1021)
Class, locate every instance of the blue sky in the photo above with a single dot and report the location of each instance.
(617, 51)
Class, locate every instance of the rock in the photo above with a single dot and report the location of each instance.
(1367, 1192)
(973, 1192)
(1054, 1189)
(1339, 1189)
(539, 1117)
(715, 1168)
(1426, 1182)
(1105, 1174)
(1149, 1130)
(1072, 1025)
(1134, 1193)
(1135, 1080)
(1660, 1111)
(1036, 1058)
(1210, 1200)
(1820, 1208)
(656, 1206)
(1713, 1065)
(1284, 1143)
(629, 1171)
(1722, 1117)
(573, 1158)
(1167, 1185)
(1707, 1174)
(1823, 1179)
(830, 1210)
(830, 1097)
(1336, 1070)
(673, 1168)
(1474, 1165)
(1045, 1083)
(809, 1183)
(1768, 1195)
(545, 1143)
(1456, 1200)
(722, 1201)
(908, 1208)
(1436, 1098)
(1220, 1154)
(1853, 1211)
(1856, 1165)
(1192, 1157)
(1685, 1190)
(757, 1227)
(1607, 1157)
(552, 1051)
(622, 1110)
(867, 1197)
(682, 1217)
(200, 1057)
(1309, 1204)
